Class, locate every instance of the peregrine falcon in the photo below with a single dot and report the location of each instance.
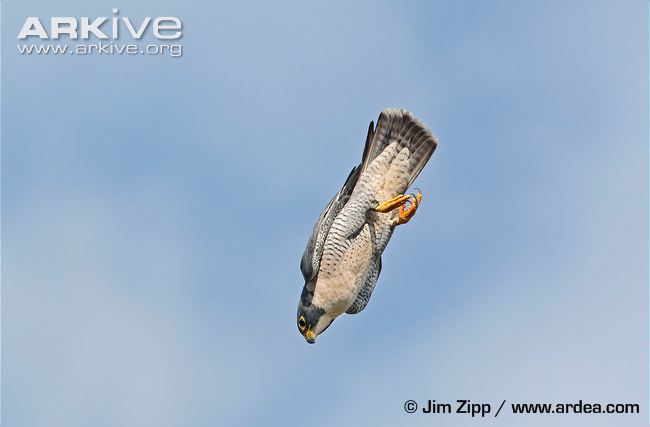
(342, 261)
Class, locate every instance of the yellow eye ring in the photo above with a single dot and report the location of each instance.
(301, 323)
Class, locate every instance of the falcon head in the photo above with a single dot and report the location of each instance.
(312, 321)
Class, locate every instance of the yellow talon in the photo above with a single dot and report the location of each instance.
(408, 205)
(392, 203)
(406, 213)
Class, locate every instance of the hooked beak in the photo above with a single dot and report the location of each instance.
(310, 336)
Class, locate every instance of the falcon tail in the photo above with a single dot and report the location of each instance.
(400, 126)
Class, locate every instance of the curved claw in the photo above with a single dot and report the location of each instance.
(408, 205)
(406, 213)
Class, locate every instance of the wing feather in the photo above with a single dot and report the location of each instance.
(310, 261)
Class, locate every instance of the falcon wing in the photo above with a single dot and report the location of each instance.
(310, 261)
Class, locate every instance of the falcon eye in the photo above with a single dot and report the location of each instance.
(302, 323)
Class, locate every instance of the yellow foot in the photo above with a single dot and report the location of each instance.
(407, 205)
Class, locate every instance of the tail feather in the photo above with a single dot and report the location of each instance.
(402, 127)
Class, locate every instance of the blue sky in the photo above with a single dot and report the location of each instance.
(154, 211)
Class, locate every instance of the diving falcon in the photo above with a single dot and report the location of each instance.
(342, 260)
